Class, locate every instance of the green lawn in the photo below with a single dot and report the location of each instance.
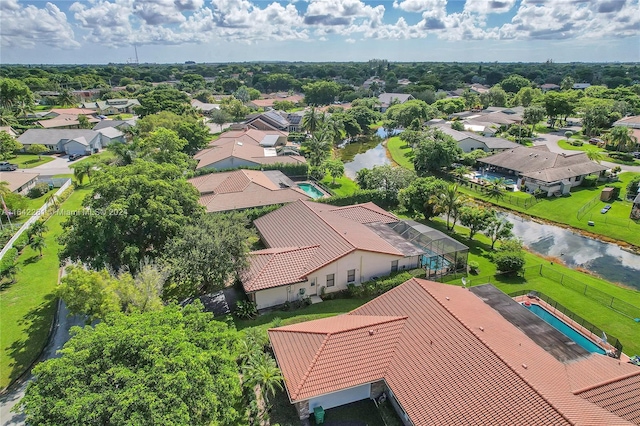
(102, 156)
(615, 225)
(27, 306)
(28, 161)
(343, 185)
(400, 152)
(586, 147)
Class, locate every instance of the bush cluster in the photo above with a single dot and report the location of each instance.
(378, 197)
(377, 287)
(38, 190)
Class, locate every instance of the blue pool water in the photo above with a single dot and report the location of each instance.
(491, 177)
(434, 262)
(565, 329)
(311, 190)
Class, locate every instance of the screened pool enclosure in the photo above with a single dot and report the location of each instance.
(442, 254)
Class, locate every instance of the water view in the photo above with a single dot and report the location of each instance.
(604, 259)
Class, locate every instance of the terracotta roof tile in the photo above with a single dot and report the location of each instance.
(365, 213)
(621, 397)
(353, 351)
(277, 267)
(459, 362)
(304, 223)
(243, 189)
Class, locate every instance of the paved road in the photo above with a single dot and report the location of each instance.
(551, 141)
(59, 338)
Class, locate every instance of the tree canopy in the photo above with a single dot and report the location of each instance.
(8, 144)
(131, 213)
(187, 127)
(173, 366)
(163, 98)
(320, 92)
(434, 151)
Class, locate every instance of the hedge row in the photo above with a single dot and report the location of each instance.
(378, 197)
(291, 170)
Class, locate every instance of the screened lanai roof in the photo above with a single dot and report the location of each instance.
(427, 238)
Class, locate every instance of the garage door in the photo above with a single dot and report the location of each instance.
(341, 398)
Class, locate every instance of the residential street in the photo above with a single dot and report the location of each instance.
(60, 337)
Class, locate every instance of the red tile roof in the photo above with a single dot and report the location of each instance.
(371, 341)
(620, 396)
(304, 223)
(457, 362)
(242, 189)
(276, 267)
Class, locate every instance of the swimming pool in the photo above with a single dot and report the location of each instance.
(433, 261)
(492, 176)
(311, 190)
(565, 329)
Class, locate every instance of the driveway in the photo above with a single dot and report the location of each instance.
(59, 166)
(59, 338)
(551, 141)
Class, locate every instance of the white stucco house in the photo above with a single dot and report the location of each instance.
(314, 249)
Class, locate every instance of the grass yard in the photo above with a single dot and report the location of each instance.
(102, 156)
(343, 185)
(28, 161)
(27, 306)
(615, 225)
(586, 147)
(400, 152)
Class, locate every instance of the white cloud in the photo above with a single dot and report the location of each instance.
(340, 12)
(106, 21)
(420, 5)
(29, 26)
(484, 7)
(584, 19)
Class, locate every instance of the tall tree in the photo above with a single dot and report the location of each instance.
(450, 201)
(163, 98)
(475, 218)
(320, 92)
(37, 149)
(66, 98)
(533, 115)
(165, 146)
(498, 229)
(135, 210)
(434, 151)
(311, 120)
(8, 145)
(204, 256)
(622, 138)
(335, 168)
(388, 179)
(317, 148)
(174, 366)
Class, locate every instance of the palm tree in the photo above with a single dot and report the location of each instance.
(310, 120)
(317, 148)
(622, 138)
(450, 201)
(38, 244)
(595, 156)
(66, 98)
(124, 153)
(10, 271)
(496, 189)
(335, 128)
(37, 229)
(79, 173)
(7, 117)
(53, 200)
(263, 371)
(4, 188)
(461, 171)
(87, 167)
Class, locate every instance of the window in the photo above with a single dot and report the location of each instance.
(351, 275)
(313, 282)
(331, 280)
(394, 266)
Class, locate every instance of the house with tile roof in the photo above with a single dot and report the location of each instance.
(445, 355)
(247, 148)
(244, 189)
(468, 141)
(204, 107)
(387, 99)
(314, 248)
(538, 168)
(68, 141)
(112, 106)
(65, 121)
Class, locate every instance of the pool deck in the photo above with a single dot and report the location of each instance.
(551, 340)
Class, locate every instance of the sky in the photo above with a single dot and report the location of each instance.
(175, 31)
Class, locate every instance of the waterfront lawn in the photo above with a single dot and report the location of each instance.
(28, 161)
(343, 186)
(27, 306)
(400, 152)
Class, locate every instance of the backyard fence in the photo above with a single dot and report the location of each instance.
(584, 209)
(598, 218)
(586, 325)
(507, 198)
(602, 298)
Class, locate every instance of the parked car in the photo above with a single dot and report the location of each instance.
(595, 141)
(636, 154)
(73, 157)
(605, 209)
(5, 166)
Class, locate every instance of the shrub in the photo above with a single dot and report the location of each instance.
(576, 142)
(38, 190)
(633, 186)
(509, 257)
(245, 309)
(473, 266)
(624, 156)
(568, 134)
(21, 242)
(379, 198)
(355, 291)
(590, 181)
(297, 137)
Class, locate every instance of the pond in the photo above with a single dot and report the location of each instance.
(607, 260)
(365, 153)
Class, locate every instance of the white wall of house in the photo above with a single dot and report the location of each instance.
(106, 141)
(366, 265)
(551, 188)
(73, 147)
(470, 144)
(230, 163)
(339, 398)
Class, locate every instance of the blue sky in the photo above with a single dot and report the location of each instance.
(101, 31)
